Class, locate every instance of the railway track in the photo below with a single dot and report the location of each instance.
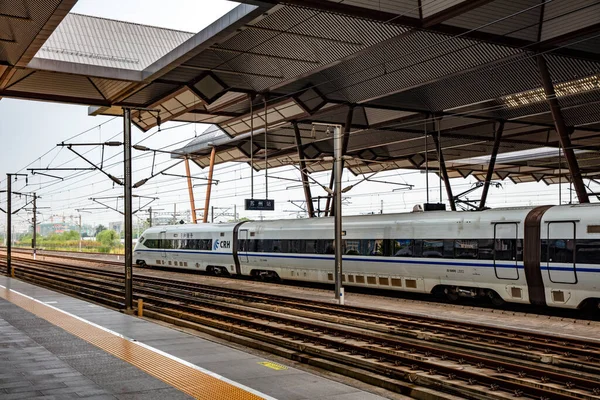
(417, 356)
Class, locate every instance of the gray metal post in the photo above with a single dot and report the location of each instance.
(34, 236)
(491, 166)
(128, 210)
(266, 154)
(212, 214)
(305, 184)
(337, 149)
(150, 219)
(8, 223)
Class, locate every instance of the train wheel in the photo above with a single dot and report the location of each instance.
(451, 294)
(142, 264)
(495, 299)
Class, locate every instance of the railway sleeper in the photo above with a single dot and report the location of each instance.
(414, 371)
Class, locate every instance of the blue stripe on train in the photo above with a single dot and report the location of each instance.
(382, 260)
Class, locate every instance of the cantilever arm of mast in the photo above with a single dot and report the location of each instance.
(143, 181)
(101, 169)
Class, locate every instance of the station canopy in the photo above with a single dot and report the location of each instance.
(411, 81)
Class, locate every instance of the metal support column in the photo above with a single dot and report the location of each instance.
(305, 184)
(128, 210)
(490, 171)
(34, 234)
(444, 172)
(191, 191)
(8, 223)
(328, 206)
(563, 133)
(345, 141)
(338, 144)
(211, 169)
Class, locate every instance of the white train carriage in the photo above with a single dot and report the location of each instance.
(198, 247)
(570, 255)
(464, 254)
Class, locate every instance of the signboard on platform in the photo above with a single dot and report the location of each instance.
(260, 205)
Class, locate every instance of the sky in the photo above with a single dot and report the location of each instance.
(30, 131)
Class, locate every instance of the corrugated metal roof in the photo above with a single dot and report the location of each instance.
(105, 42)
(20, 23)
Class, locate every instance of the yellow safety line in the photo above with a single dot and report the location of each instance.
(189, 380)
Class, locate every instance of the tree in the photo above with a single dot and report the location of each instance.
(71, 235)
(109, 239)
(100, 228)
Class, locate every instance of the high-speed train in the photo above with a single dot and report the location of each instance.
(548, 255)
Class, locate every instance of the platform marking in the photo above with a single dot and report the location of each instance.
(182, 375)
(272, 365)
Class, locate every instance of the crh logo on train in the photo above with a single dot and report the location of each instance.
(222, 244)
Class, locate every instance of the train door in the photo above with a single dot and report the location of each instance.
(560, 252)
(243, 245)
(505, 251)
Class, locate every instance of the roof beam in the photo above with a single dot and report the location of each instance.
(453, 11)
(561, 128)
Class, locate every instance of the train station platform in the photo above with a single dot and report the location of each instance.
(53, 346)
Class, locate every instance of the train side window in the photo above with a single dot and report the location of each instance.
(373, 247)
(296, 246)
(267, 245)
(402, 248)
(561, 250)
(241, 244)
(418, 248)
(519, 249)
(279, 246)
(486, 249)
(433, 248)
(206, 244)
(352, 247)
(253, 245)
(466, 249)
(448, 248)
(544, 250)
(310, 247)
(505, 249)
(588, 251)
(325, 246)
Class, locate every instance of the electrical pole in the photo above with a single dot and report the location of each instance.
(128, 209)
(338, 160)
(34, 236)
(150, 219)
(212, 214)
(8, 223)
(80, 233)
(9, 220)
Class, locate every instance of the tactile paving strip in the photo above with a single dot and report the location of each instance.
(189, 380)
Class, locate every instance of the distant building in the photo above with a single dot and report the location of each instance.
(116, 226)
(49, 228)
